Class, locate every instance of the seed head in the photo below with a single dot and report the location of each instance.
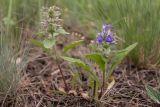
(50, 19)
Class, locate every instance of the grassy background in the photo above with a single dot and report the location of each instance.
(133, 20)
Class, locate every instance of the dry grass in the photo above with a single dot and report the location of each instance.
(42, 86)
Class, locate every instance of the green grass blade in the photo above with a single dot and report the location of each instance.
(153, 94)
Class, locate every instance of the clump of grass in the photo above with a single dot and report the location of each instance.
(140, 22)
(9, 76)
(8, 73)
(16, 16)
(10, 65)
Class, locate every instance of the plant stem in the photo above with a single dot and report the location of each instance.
(103, 84)
(59, 67)
(94, 89)
(9, 15)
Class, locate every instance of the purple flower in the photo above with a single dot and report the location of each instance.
(100, 38)
(106, 27)
(109, 38)
(106, 35)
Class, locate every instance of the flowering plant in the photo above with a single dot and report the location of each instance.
(105, 57)
(51, 27)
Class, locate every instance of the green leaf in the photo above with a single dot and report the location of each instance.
(77, 62)
(49, 43)
(153, 94)
(80, 63)
(72, 45)
(37, 43)
(106, 46)
(118, 57)
(61, 31)
(99, 59)
(40, 34)
(55, 34)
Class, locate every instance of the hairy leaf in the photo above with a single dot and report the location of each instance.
(119, 56)
(72, 45)
(99, 59)
(49, 43)
(61, 31)
(37, 43)
(80, 63)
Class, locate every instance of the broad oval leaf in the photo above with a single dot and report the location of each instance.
(49, 43)
(37, 43)
(40, 34)
(80, 63)
(77, 62)
(55, 34)
(99, 59)
(72, 45)
(61, 31)
(153, 94)
(118, 57)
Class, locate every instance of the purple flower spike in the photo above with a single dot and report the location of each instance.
(105, 28)
(109, 38)
(100, 38)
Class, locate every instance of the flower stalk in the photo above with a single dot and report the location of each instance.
(61, 71)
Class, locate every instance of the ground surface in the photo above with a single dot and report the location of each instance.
(42, 85)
